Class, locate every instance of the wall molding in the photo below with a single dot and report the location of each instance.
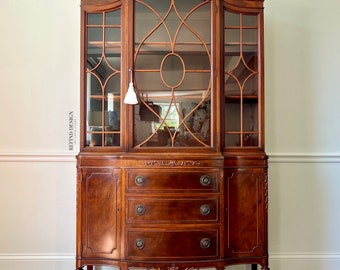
(71, 157)
(304, 256)
(38, 157)
(304, 157)
(37, 257)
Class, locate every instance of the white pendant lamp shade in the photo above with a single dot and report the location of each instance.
(131, 97)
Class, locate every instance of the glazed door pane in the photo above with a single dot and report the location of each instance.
(241, 78)
(103, 68)
(172, 73)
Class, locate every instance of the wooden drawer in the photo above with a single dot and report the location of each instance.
(172, 209)
(172, 245)
(171, 180)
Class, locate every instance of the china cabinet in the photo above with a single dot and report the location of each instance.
(172, 171)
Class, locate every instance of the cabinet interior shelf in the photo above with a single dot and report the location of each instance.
(237, 98)
(116, 97)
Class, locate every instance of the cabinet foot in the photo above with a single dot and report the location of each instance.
(88, 267)
(254, 267)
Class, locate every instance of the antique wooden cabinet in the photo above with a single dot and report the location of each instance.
(177, 178)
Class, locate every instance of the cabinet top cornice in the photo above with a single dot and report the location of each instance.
(236, 3)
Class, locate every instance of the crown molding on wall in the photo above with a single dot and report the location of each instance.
(71, 157)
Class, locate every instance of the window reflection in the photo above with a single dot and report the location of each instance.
(172, 73)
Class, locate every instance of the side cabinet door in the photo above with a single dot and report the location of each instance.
(245, 206)
(100, 218)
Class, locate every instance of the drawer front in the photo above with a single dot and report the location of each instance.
(172, 210)
(172, 180)
(172, 245)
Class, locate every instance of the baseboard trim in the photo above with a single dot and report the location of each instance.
(36, 257)
(304, 158)
(304, 256)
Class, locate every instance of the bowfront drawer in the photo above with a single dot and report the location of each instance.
(172, 245)
(167, 180)
(172, 209)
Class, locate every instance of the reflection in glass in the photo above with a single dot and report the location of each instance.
(172, 73)
(95, 19)
(241, 80)
(103, 79)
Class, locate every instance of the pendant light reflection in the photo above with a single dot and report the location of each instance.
(131, 97)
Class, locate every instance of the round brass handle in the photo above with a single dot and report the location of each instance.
(140, 209)
(205, 209)
(205, 243)
(139, 243)
(140, 180)
(205, 180)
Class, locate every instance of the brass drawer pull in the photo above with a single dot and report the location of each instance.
(205, 243)
(139, 243)
(140, 180)
(205, 180)
(205, 209)
(140, 209)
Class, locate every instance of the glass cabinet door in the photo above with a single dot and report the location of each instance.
(172, 73)
(103, 69)
(241, 80)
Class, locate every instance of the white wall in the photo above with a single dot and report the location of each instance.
(302, 132)
(39, 83)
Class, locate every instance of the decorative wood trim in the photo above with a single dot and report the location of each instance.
(172, 163)
(266, 200)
